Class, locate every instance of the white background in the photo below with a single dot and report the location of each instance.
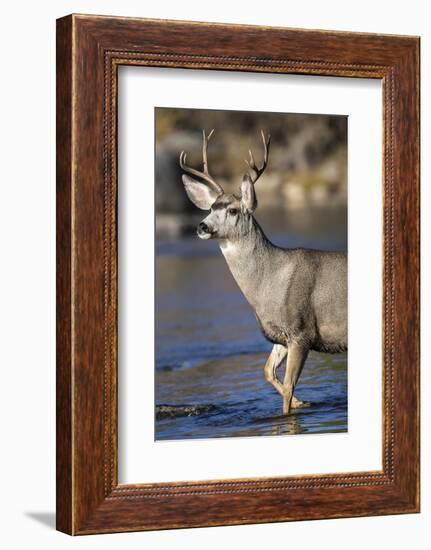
(27, 277)
(141, 458)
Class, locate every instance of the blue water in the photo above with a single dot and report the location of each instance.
(209, 351)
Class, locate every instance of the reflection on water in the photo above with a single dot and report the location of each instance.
(210, 353)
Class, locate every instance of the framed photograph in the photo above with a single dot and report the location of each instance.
(237, 274)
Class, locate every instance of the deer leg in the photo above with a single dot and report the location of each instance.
(295, 361)
(274, 360)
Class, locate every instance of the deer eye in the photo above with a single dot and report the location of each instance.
(233, 211)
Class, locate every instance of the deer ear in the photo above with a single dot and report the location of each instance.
(248, 195)
(200, 194)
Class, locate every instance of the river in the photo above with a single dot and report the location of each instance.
(210, 353)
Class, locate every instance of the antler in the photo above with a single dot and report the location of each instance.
(252, 164)
(205, 175)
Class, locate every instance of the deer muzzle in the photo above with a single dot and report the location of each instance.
(204, 231)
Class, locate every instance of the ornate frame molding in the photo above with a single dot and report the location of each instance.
(90, 49)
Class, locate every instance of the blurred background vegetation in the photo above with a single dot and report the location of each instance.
(306, 174)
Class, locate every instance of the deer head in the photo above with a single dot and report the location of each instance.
(231, 215)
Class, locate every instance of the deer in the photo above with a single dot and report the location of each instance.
(298, 295)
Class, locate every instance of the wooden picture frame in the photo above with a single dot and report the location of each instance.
(89, 51)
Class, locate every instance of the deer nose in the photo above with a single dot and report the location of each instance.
(204, 228)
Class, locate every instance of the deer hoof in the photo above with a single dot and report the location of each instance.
(298, 404)
(286, 408)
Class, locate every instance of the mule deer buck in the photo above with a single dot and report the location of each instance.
(299, 296)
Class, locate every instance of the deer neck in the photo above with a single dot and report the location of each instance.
(248, 258)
